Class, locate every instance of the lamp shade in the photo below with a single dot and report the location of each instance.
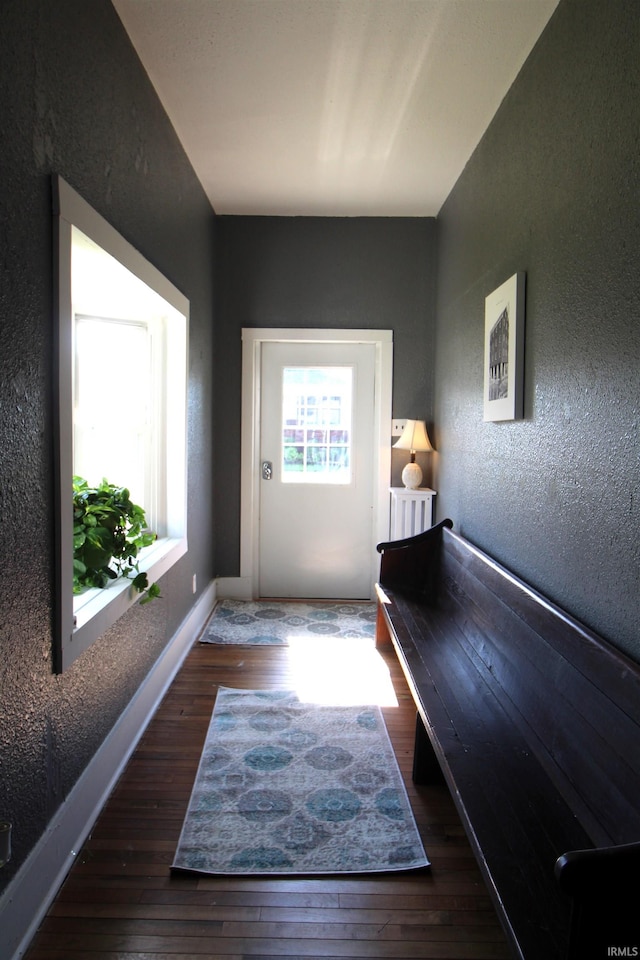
(414, 437)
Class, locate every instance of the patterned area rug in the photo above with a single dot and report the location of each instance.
(293, 788)
(253, 622)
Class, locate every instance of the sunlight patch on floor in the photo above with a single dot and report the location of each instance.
(340, 671)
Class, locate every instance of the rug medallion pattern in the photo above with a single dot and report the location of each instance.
(257, 622)
(285, 787)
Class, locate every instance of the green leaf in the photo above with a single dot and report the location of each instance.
(152, 593)
(141, 582)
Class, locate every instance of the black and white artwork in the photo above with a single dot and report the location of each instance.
(504, 350)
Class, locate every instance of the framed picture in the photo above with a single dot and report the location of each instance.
(504, 350)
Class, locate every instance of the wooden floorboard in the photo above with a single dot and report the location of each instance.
(121, 901)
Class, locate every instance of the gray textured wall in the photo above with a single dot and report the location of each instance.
(370, 273)
(76, 101)
(553, 189)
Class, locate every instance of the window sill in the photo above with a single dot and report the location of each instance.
(96, 610)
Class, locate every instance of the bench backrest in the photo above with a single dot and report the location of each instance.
(575, 697)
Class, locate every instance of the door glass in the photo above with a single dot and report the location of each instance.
(316, 424)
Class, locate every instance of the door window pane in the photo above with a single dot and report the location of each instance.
(316, 424)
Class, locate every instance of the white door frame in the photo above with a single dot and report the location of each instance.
(252, 339)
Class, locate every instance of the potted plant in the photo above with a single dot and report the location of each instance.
(109, 530)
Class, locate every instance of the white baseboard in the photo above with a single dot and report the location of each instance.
(26, 900)
(235, 588)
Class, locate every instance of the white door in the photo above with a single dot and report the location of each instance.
(317, 472)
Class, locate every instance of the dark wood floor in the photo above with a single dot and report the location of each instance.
(121, 902)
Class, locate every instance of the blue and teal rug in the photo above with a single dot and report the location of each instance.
(291, 788)
(253, 622)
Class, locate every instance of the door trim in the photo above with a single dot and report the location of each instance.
(252, 341)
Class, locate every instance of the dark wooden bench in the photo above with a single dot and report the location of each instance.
(534, 721)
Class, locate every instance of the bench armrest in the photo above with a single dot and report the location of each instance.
(603, 885)
(599, 872)
(409, 565)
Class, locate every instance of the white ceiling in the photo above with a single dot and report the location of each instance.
(331, 107)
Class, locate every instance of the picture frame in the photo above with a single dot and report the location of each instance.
(504, 351)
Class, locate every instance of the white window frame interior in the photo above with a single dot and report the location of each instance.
(81, 620)
(252, 340)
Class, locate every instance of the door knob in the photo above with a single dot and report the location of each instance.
(267, 470)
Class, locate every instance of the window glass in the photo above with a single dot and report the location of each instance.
(316, 424)
(106, 444)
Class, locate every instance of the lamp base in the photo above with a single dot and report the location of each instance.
(412, 476)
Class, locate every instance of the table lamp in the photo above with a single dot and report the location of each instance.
(414, 437)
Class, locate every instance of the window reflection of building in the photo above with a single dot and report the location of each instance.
(317, 424)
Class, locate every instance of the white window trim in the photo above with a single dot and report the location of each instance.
(99, 609)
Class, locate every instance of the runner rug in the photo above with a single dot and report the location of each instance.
(255, 622)
(291, 788)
